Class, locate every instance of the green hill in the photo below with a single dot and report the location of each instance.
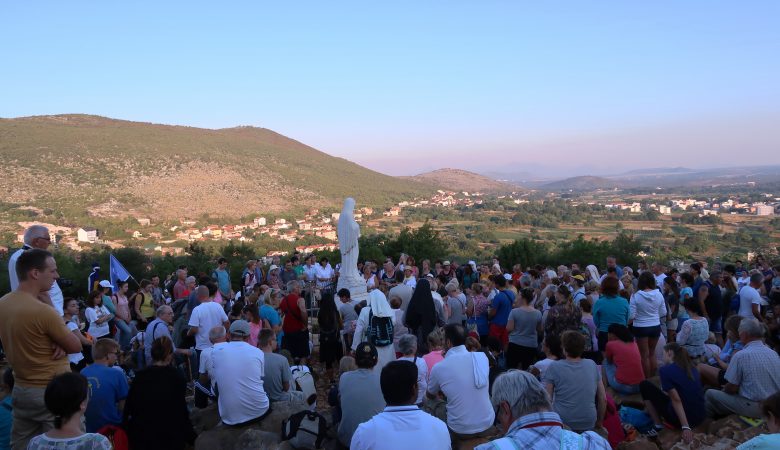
(81, 164)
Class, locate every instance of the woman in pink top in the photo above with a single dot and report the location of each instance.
(252, 315)
(435, 355)
(622, 364)
(122, 309)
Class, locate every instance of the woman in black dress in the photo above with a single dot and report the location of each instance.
(330, 324)
(155, 414)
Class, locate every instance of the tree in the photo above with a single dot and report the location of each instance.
(523, 251)
(422, 243)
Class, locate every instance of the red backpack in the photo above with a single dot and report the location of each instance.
(116, 436)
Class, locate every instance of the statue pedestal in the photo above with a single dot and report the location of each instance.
(355, 286)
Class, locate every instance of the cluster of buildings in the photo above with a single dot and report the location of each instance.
(312, 224)
(703, 207)
(731, 206)
(445, 199)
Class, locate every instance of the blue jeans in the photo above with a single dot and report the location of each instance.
(126, 332)
(627, 389)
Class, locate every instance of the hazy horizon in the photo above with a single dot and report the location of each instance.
(490, 87)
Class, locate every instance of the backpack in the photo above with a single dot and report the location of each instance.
(131, 304)
(116, 436)
(380, 330)
(305, 430)
(588, 337)
(304, 381)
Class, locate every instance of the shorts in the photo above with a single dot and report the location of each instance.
(646, 332)
(716, 325)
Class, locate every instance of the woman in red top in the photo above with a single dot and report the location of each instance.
(623, 363)
(295, 323)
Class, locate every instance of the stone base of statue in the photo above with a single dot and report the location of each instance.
(355, 286)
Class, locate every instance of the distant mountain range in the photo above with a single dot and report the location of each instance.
(463, 180)
(582, 183)
(653, 177)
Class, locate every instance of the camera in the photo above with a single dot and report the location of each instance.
(64, 282)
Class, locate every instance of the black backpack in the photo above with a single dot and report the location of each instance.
(380, 330)
(305, 429)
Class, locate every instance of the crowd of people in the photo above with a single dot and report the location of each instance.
(435, 355)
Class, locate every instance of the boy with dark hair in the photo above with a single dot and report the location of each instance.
(402, 424)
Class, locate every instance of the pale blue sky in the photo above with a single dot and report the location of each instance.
(407, 86)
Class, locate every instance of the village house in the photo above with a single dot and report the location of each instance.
(144, 222)
(87, 234)
(259, 221)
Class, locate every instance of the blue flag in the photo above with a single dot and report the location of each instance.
(117, 272)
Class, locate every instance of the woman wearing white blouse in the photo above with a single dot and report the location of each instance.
(646, 307)
(97, 315)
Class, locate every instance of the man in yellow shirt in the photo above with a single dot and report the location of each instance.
(37, 344)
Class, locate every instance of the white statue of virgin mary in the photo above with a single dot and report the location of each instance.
(349, 232)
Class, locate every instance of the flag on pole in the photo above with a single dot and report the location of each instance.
(117, 272)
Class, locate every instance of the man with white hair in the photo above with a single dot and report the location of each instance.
(525, 414)
(160, 327)
(242, 399)
(752, 376)
(36, 236)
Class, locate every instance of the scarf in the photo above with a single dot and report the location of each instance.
(378, 304)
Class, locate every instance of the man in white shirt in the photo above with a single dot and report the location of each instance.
(237, 369)
(402, 424)
(310, 269)
(36, 236)
(463, 378)
(750, 299)
(660, 276)
(204, 317)
(324, 273)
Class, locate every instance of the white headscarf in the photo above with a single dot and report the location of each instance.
(378, 304)
(594, 273)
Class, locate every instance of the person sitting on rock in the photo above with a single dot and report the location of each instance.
(771, 411)
(402, 424)
(360, 394)
(463, 378)
(752, 376)
(575, 386)
(237, 370)
(679, 400)
(527, 418)
(276, 371)
(623, 363)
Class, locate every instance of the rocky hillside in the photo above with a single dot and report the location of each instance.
(107, 167)
(463, 180)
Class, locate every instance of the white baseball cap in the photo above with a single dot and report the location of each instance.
(106, 284)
